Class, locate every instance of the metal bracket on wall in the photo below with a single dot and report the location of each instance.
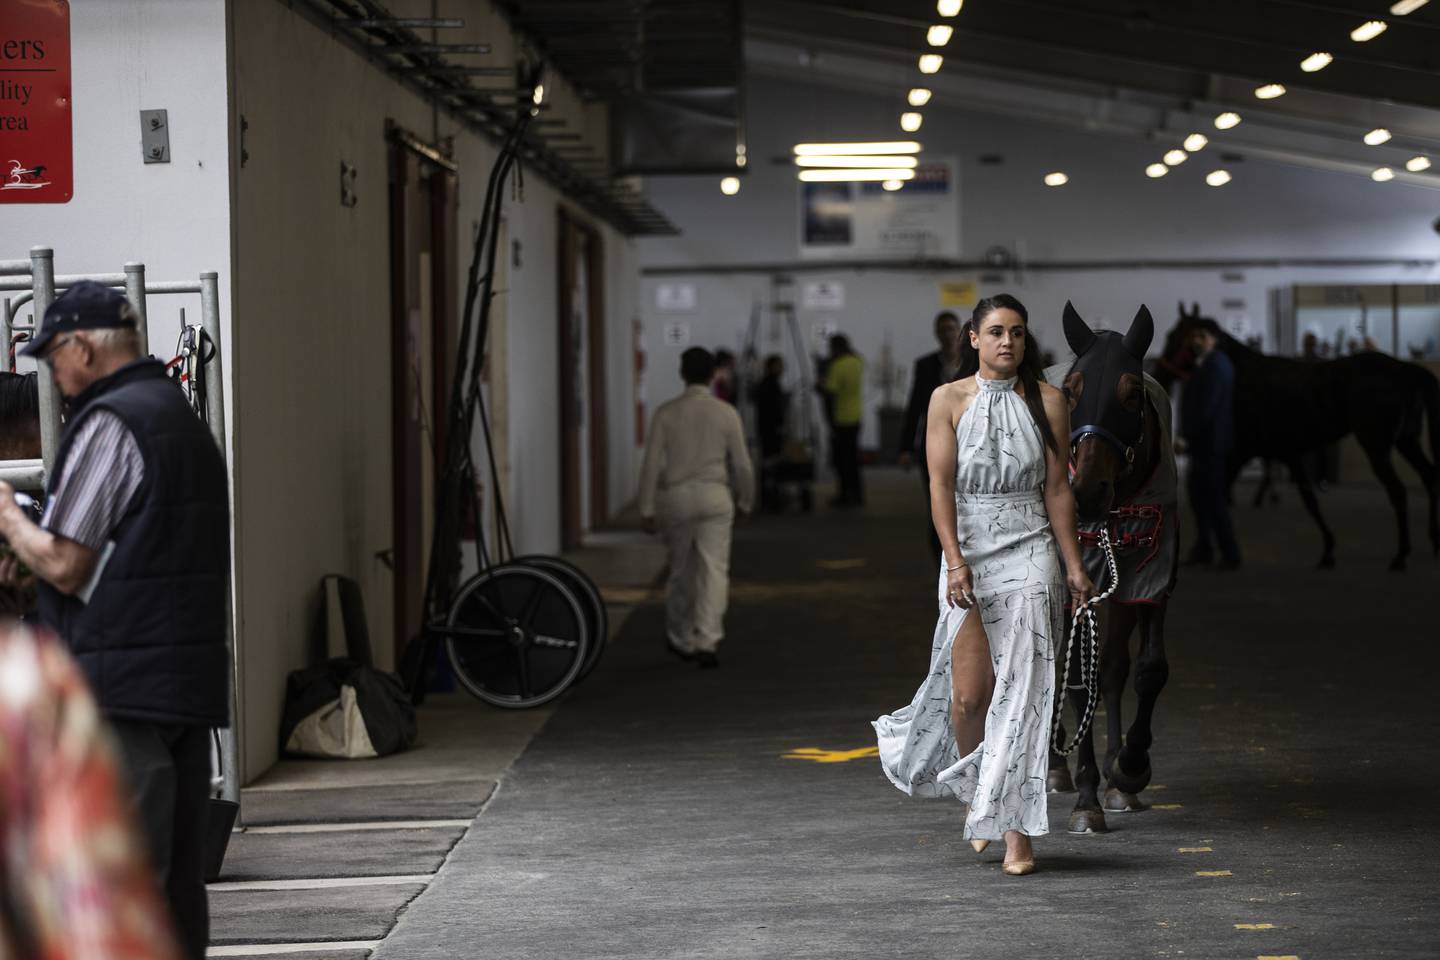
(348, 196)
(154, 136)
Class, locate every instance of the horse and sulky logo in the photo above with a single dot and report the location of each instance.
(21, 177)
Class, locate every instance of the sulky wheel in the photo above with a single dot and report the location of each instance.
(597, 621)
(516, 636)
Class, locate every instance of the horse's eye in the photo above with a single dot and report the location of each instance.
(1074, 385)
(1129, 391)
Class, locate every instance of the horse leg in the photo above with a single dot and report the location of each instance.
(1379, 454)
(1115, 670)
(1410, 449)
(1087, 817)
(1312, 507)
(1131, 770)
(1059, 779)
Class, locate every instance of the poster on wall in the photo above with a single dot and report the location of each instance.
(864, 220)
(35, 166)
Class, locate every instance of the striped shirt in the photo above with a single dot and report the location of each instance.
(103, 471)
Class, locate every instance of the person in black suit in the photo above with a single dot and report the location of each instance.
(931, 371)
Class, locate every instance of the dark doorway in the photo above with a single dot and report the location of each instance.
(584, 497)
(422, 334)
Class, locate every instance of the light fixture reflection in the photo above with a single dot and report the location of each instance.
(832, 176)
(1407, 7)
(931, 62)
(1174, 158)
(1417, 164)
(730, 186)
(856, 149)
(1227, 120)
(1270, 91)
(1377, 136)
(1196, 142)
(1056, 179)
(949, 8)
(918, 97)
(939, 35)
(1156, 170)
(1382, 174)
(1368, 30)
(839, 160)
(1217, 178)
(893, 185)
(1315, 62)
(910, 122)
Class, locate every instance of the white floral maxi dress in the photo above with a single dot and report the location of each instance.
(1004, 534)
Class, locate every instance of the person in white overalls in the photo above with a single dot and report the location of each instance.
(695, 479)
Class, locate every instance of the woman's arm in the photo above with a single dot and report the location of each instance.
(940, 457)
(1059, 501)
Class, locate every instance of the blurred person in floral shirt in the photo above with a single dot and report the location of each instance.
(74, 880)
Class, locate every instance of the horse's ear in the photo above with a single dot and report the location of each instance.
(1195, 310)
(1183, 314)
(1077, 332)
(1141, 332)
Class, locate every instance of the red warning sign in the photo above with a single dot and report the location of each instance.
(35, 139)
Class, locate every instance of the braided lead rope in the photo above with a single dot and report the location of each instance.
(1083, 625)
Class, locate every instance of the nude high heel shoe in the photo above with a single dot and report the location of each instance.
(1019, 868)
(979, 845)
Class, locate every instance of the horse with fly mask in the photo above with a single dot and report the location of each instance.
(1122, 472)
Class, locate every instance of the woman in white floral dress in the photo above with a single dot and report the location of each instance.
(979, 726)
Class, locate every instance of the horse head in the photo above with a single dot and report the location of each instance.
(1177, 358)
(1106, 391)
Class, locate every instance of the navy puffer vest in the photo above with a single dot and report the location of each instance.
(152, 638)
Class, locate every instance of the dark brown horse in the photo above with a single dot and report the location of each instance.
(19, 417)
(1124, 483)
(1285, 409)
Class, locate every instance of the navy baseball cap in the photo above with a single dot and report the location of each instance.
(86, 306)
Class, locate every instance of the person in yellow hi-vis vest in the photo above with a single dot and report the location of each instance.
(844, 382)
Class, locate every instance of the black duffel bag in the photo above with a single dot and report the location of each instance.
(344, 709)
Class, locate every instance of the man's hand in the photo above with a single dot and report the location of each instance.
(649, 526)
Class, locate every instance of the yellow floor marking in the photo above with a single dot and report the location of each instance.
(1157, 786)
(1254, 926)
(1267, 956)
(1213, 873)
(840, 564)
(1196, 850)
(1165, 806)
(830, 756)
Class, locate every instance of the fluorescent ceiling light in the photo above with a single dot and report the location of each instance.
(1382, 174)
(821, 176)
(730, 186)
(856, 149)
(931, 62)
(918, 97)
(893, 185)
(1368, 30)
(837, 160)
(1217, 178)
(1316, 61)
(1377, 136)
(910, 122)
(1417, 164)
(1227, 120)
(1056, 179)
(1270, 91)
(948, 8)
(1156, 170)
(939, 35)
(1175, 157)
(1406, 7)
(1196, 142)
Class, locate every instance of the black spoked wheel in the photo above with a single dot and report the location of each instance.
(516, 636)
(596, 619)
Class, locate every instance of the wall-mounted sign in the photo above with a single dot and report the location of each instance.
(958, 293)
(863, 219)
(821, 331)
(677, 334)
(823, 295)
(35, 164)
(676, 298)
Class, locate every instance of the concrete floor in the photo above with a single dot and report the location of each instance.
(666, 812)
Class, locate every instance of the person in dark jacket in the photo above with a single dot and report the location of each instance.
(771, 404)
(1207, 424)
(931, 371)
(132, 558)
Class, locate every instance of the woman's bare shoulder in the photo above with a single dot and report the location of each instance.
(953, 397)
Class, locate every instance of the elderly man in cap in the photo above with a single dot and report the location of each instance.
(132, 558)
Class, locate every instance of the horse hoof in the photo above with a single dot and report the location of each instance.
(1126, 782)
(1060, 781)
(1118, 801)
(1088, 821)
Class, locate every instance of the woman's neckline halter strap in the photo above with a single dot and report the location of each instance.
(996, 386)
